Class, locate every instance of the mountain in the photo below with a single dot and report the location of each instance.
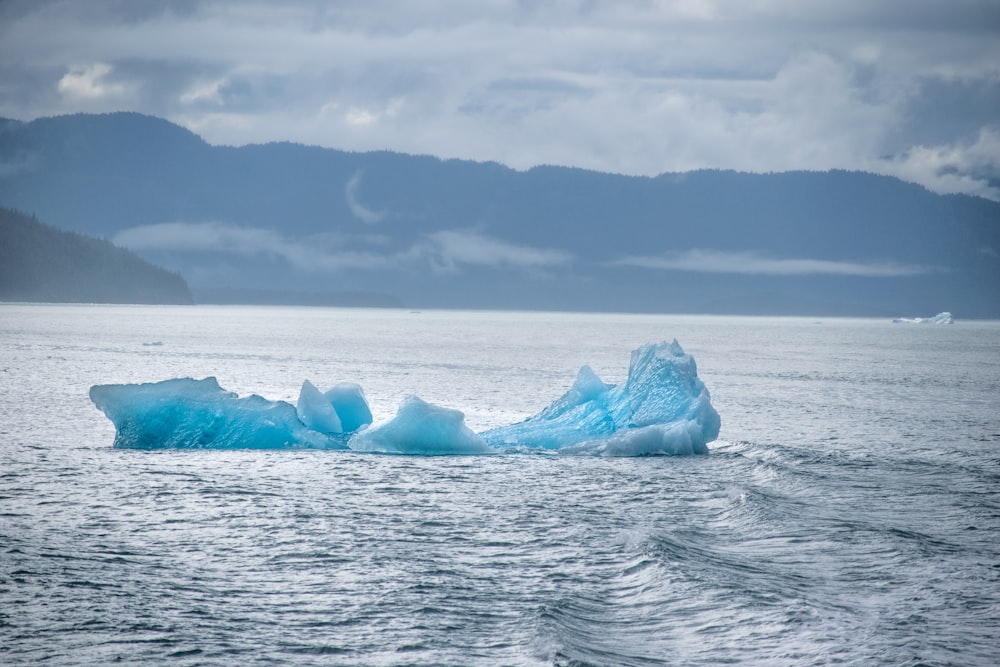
(42, 263)
(284, 219)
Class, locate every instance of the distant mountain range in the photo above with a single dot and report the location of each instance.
(285, 222)
(42, 263)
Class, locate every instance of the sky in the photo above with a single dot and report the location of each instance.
(909, 88)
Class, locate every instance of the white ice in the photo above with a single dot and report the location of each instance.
(940, 318)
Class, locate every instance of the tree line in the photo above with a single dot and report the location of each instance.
(41, 263)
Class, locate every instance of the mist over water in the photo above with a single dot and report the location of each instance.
(848, 513)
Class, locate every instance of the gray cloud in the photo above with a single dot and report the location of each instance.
(632, 87)
(748, 263)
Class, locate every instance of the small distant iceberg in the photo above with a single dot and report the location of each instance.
(940, 318)
(662, 408)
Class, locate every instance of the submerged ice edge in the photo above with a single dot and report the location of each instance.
(662, 408)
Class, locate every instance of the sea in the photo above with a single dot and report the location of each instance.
(849, 513)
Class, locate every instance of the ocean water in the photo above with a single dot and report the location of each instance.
(849, 514)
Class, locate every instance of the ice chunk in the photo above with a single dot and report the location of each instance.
(421, 428)
(940, 318)
(348, 399)
(661, 408)
(316, 412)
(342, 409)
(189, 413)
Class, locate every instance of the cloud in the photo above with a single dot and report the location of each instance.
(221, 237)
(201, 236)
(202, 92)
(443, 251)
(89, 82)
(969, 166)
(451, 248)
(632, 87)
(748, 263)
(359, 210)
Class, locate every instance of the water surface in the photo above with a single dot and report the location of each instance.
(848, 514)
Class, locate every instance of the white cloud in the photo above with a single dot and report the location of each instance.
(228, 238)
(715, 261)
(456, 246)
(204, 92)
(356, 116)
(960, 167)
(359, 117)
(359, 210)
(200, 236)
(89, 82)
(443, 251)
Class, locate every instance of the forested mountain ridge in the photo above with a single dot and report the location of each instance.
(284, 218)
(41, 263)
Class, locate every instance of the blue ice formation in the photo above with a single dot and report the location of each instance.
(188, 413)
(342, 409)
(348, 399)
(316, 412)
(662, 408)
(421, 428)
(940, 318)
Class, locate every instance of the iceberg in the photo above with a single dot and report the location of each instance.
(662, 408)
(940, 318)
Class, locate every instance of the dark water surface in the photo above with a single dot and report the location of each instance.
(849, 514)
